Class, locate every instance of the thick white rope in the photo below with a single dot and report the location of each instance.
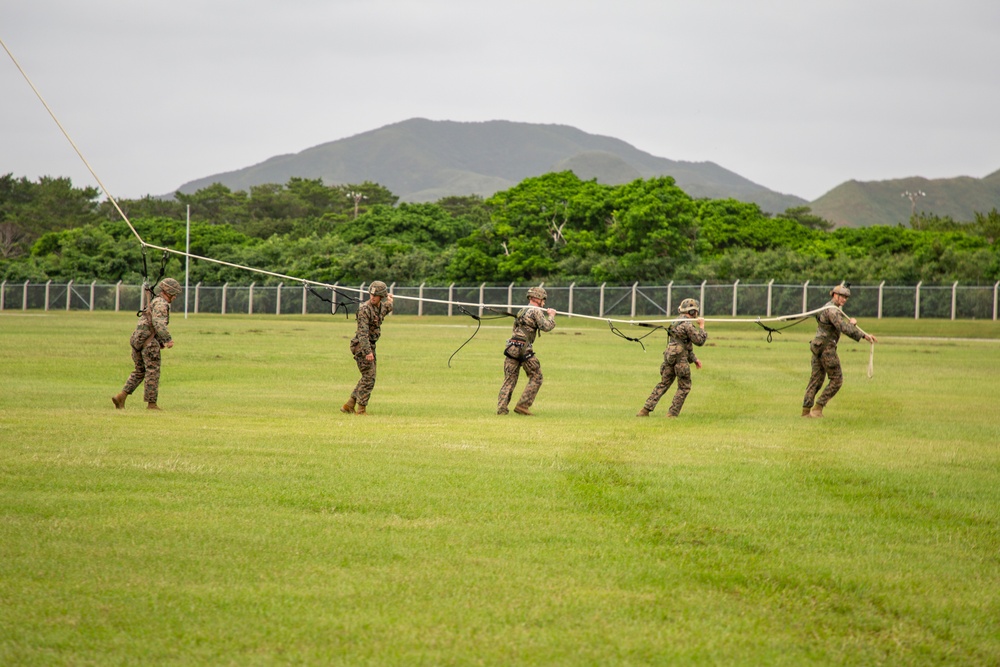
(70, 140)
(782, 318)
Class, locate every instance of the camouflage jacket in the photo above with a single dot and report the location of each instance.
(831, 322)
(153, 321)
(529, 322)
(684, 335)
(370, 319)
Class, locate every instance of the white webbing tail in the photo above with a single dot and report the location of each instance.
(871, 362)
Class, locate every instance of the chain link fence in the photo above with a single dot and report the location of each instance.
(737, 299)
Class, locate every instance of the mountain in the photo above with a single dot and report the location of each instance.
(862, 204)
(423, 160)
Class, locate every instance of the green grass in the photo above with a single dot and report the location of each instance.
(252, 523)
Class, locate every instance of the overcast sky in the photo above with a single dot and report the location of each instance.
(798, 96)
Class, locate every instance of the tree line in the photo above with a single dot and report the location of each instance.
(554, 228)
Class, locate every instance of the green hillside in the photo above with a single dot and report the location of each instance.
(863, 204)
(423, 160)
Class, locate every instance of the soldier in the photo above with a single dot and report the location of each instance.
(370, 316)
(519, 354)
(677, 359)
(831, 322)
(151, 334)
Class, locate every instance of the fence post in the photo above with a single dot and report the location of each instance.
(69, 293)
(954, 291)
(916, 308)
(510, 296)
(451, 297)
(805, 297)
(118, 296)
(635, 287)
(600, 307)
(420, 300)
(250, 300)
(881, 286)
(734, 295)
(333, 297)
(197, 296)
(3, 290)
(277, 308)
(670, 296)
(769, 286)
(48, 287)
(92, 286)
(996, 290)
(701, 297)
(225, 286)
(24, 296)
(305, 294)
(482, 302)
(361, 294)
(570, 311)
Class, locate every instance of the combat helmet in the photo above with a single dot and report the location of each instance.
(537, 293)
(378, 288)
(843, 289)
(688, 305)
(170, 286)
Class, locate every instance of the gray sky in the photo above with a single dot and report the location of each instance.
(796, 95)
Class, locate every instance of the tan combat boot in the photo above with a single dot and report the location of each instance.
(349, 406)
(642, 413)
(522, 410)
(152, 406)
(816, 412)
(119, 400)
(361, 412)
(805, 412)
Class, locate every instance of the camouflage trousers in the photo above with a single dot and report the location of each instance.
(511, 371)
(825, 363)
(363, 389)
(147, 369)
(674, 366)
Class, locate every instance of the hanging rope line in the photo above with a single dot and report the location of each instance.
(616, 331)
(771, 330)
(337, 305)
(497, 308)
(479, 323)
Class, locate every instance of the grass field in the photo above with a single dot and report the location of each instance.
(252, 523)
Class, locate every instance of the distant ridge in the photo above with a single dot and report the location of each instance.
(425, 160)
(863, 204)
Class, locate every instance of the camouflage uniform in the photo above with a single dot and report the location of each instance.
(677, 360)
(519, 354)
(831, 322)
(370, 318)
(151, 333)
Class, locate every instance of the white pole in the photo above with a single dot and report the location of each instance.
(954, 294)
(187, 260)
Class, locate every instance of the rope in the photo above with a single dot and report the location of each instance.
(618, 333)
(337, 305)
(461, 304)
(479, 323)
(71, 142)
(771, 331)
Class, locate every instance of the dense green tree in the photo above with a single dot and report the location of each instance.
(30, 209)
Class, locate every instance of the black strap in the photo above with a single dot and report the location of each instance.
(479, 323)
(618, 332)
(146, 287)
(337, 305)
(770, 330)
